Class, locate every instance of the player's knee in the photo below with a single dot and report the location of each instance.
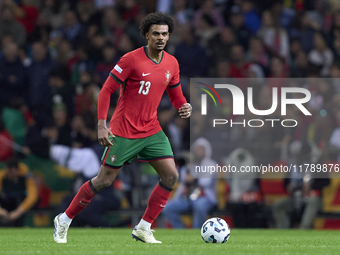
(104, 184)
(176, 177)
(171, 179)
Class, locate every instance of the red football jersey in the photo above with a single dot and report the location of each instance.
(142, 84)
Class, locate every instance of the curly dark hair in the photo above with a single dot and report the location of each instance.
(156, 18)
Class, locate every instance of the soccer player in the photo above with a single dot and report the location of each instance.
(142, 75)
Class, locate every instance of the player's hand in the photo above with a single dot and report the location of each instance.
(185, 110)
(103, 136)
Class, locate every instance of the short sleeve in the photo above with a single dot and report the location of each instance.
(175, 81)
(122, 70)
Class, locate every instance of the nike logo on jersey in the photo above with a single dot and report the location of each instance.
(145, 74)
(161, 205)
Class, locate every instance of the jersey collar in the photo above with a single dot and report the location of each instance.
(146, 53)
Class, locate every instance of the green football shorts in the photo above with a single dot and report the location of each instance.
(147, 149)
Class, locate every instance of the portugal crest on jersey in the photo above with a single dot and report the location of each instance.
(167, 76)
(113, 158)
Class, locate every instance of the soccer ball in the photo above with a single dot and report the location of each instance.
(215, 230)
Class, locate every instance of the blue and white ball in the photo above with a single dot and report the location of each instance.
(215, 230)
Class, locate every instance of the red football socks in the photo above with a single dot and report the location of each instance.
(81, 200)
(157, 202)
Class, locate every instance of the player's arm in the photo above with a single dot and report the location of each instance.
(109, 87)
(118, 74)
(175, 93)
(178, 100)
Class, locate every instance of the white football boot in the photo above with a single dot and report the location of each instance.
(60, 230)
(144, 235)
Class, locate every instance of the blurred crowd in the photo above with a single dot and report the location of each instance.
(56, 55)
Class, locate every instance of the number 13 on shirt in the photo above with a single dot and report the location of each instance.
(144, 87)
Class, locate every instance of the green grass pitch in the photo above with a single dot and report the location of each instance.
(95, 241)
